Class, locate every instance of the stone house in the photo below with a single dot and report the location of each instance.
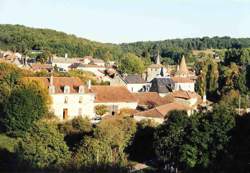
(114, 97)
(70, 98)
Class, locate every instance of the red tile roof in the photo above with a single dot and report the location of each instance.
(162, 111)
(60, 82)
(185, 94)
(38, 66)
(111, 94)
(145, 98)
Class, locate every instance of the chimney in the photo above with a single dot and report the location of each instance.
(89, 84)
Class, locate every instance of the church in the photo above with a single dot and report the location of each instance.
(156, 70)
(183, 78)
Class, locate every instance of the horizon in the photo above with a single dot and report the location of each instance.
(109, 21)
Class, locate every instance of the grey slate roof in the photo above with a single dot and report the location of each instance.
(162, 85)
(134, 79)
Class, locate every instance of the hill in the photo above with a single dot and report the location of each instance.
(22, 39)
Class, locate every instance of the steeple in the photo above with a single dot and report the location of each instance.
(158, 60)
(182, 69)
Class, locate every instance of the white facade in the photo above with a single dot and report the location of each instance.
(64, 66)
(143, 87)
(153, 72)
(94, 70)
(119, 105)
(184, 86)
(76, 104)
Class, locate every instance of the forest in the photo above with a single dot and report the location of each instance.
(25, 39)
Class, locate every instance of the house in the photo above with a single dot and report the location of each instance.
(91, 60)
(183, 83)
(134, 83)
(183, 78)
(156, 70)
(64, 63)
(189, 98)
(98, 71)
(70, 98)
(114, 97)
(159, 114)
(147, 100)
(162, 85)
(41, 67)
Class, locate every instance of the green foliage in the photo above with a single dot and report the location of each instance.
(7, 143)
(101, 109)
(44, 57)
(82, 124)
(195, 142)
(106, 146)
(93, 152)
(26, 104)
(143, 137)
(131, 64)
(208, 75)
(23, 39)
(238, 56)
(43, 147)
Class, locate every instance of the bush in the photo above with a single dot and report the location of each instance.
(27, 103)
(101, 109)
(43, 147)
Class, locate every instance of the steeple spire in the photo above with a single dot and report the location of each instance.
(182, 69)
(158, 60)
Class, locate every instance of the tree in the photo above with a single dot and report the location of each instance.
(27, 103)
(44, 57)
(169, 137)
(43, 147)
(101, 110)
(131, 64)
(144, 136)
(196, 142)
(93, 153)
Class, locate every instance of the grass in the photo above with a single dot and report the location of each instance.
(7, 143)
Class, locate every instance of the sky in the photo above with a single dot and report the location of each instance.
(117, 21)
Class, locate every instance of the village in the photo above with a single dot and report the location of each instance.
(148, 96)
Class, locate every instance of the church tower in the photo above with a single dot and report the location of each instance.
(158, 59)
(182, 69)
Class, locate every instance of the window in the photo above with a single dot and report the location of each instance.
(66, 100)
(65, 114)
(80, 99)
(80, 112)
(81, 89)
(66, 89)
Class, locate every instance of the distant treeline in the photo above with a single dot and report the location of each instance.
(22, 39)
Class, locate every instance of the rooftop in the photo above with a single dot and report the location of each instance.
(163, 110)
(145, 98)
(59, 82)
(134, 79)
(162, 85)
(113, 94)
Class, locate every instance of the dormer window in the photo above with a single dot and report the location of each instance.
(66, 100)
(81, 89)
(66, 89)
(51, 89)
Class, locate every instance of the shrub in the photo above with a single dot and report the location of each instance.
(43, 147)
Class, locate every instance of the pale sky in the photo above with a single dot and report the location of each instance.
(119, 21)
